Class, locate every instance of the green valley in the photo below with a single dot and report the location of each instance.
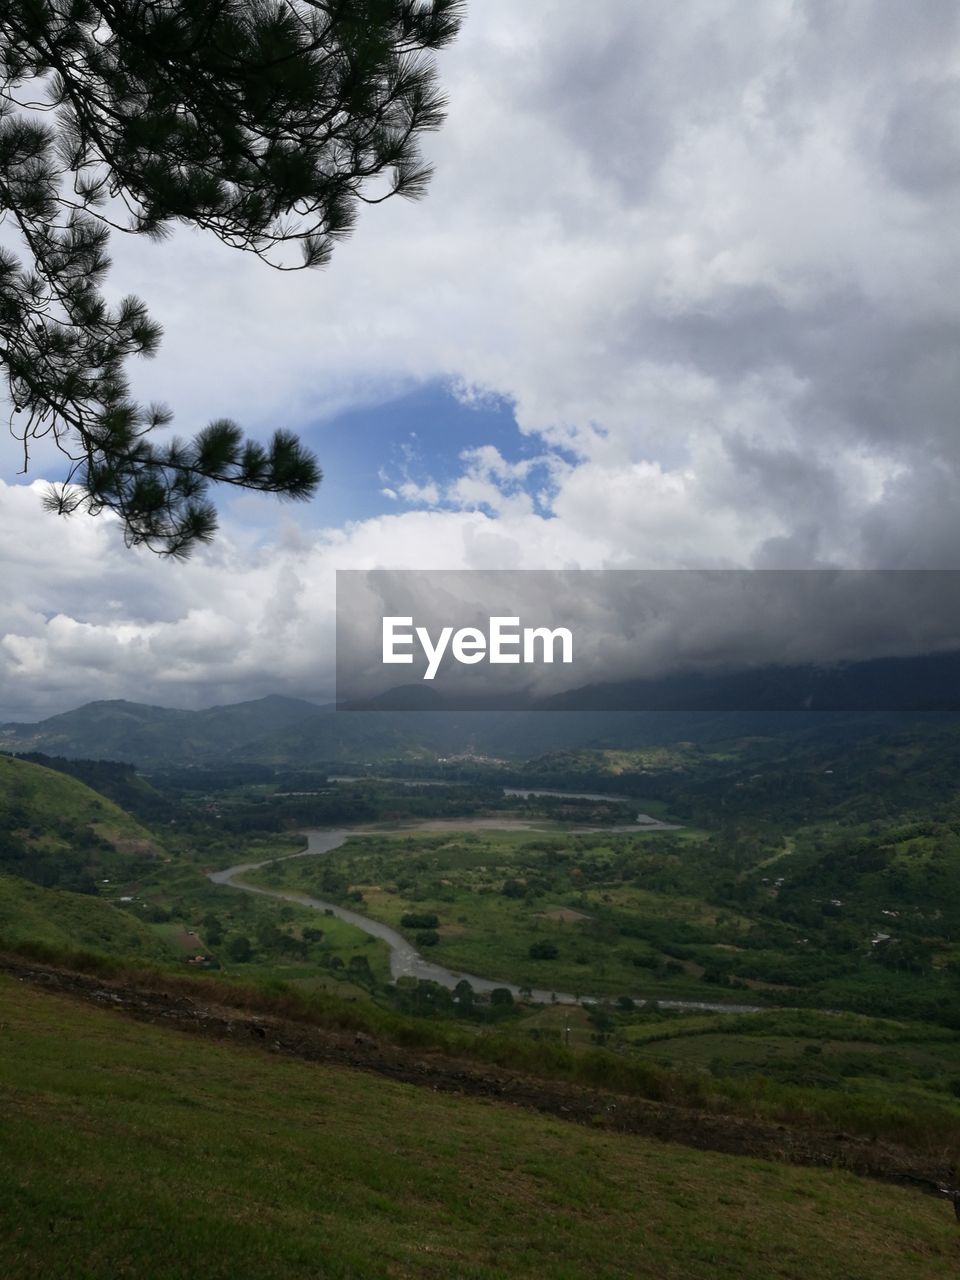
(763, 882)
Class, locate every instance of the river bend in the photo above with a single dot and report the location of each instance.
(405, 960)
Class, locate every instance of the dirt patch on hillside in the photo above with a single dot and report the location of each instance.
(147, 1001)
(566, 915)
(470, 824)
(134, 846)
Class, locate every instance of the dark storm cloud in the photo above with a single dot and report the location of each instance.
(921, 143)
(398, 630)
(870, 370)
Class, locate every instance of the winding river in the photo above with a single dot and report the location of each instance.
(405, 960)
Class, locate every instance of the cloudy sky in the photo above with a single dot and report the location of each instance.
(682, 294)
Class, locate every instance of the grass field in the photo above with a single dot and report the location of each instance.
(31, 914)
(43, 799)
(127, 1150)
(57, 832)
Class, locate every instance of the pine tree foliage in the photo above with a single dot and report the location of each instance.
(266, 124)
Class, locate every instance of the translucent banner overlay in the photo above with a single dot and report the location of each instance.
(649, 640)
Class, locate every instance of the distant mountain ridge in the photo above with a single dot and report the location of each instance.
(143, 734)
(289, 732)
(284, 731)
(302, 735)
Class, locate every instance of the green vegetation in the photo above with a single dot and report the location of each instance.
(866, 1075)
(56, 831)
(914, 1104)
(31, 914)
(146, 895)
(65, 847)
(263, 939)
(132, 731)
(43, 797)
(772, 894)
(654, 915)
(592, 914)
(837, 913)
(127, 1149)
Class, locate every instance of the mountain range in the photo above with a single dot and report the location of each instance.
(281, 731)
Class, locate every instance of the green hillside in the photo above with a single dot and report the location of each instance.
(137, 733)
(57, 832)
(288, 731)
(114, 779)
(128, 1149)
(73, 920)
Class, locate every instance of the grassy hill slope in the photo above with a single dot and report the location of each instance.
(127, 1149)
(43, 796)
(138, 733)
(55, 830)
(73, 920)
(119, 782)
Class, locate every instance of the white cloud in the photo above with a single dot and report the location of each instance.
(703, 250)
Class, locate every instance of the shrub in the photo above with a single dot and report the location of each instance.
(239, 950)
(419, 920)
(542, 951)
